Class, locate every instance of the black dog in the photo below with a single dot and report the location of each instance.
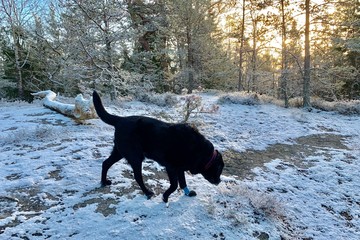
(178, 147)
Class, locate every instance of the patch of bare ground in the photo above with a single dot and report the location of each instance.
(24, 200)
(241, 164)
(104, 205)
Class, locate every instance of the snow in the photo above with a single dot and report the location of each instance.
(50, 178)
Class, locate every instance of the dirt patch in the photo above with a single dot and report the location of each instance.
(30, 200)
(104, 204)
(242, 163)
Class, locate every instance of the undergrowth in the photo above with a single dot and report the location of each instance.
(342, 107)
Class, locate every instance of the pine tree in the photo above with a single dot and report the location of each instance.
(94, 32)
(200, 56)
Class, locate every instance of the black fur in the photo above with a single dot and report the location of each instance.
(178, 147)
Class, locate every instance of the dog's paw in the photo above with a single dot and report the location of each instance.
(165, 199)
(188, 192)
(105, 183)
(191, 194)
(149, 195)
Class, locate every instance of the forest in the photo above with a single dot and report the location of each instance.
(247, 74)
(284, 49)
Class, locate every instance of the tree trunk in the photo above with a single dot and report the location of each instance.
(12, 15)
(113, 93)
(253, 78)
(241, 50)
(190, 60)
(20, 84)
(81, 110)
(284, 65)
(306, 89)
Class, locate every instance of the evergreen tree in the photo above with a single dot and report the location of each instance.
(200, 56)
(93, 34)
(150, 51)
(347, 44)
(16, 15)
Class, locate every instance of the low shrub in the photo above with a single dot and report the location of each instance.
(342, 107)
(162, 100)
(239, 98)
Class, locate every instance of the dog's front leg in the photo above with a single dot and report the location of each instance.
(173, 178)
(183, 186)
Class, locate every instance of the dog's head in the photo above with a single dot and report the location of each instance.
(213, 168)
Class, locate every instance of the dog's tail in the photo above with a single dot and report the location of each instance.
(101, 112)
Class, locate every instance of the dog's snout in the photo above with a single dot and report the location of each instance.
(216, 182)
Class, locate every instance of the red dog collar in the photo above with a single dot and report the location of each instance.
(208, 165)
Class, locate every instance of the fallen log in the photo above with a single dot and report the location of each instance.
(82, 109)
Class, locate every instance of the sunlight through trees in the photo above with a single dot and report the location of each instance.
(125, 46)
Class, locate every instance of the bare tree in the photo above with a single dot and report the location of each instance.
(17, 14)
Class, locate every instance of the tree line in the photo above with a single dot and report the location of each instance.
(282, 48)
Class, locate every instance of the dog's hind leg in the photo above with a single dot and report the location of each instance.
(137, 168)
(183, 186)
(113, 158)
(173, 178)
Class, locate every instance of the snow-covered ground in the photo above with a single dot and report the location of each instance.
(50, 177)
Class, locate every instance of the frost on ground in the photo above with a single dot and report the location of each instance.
(290, 174)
